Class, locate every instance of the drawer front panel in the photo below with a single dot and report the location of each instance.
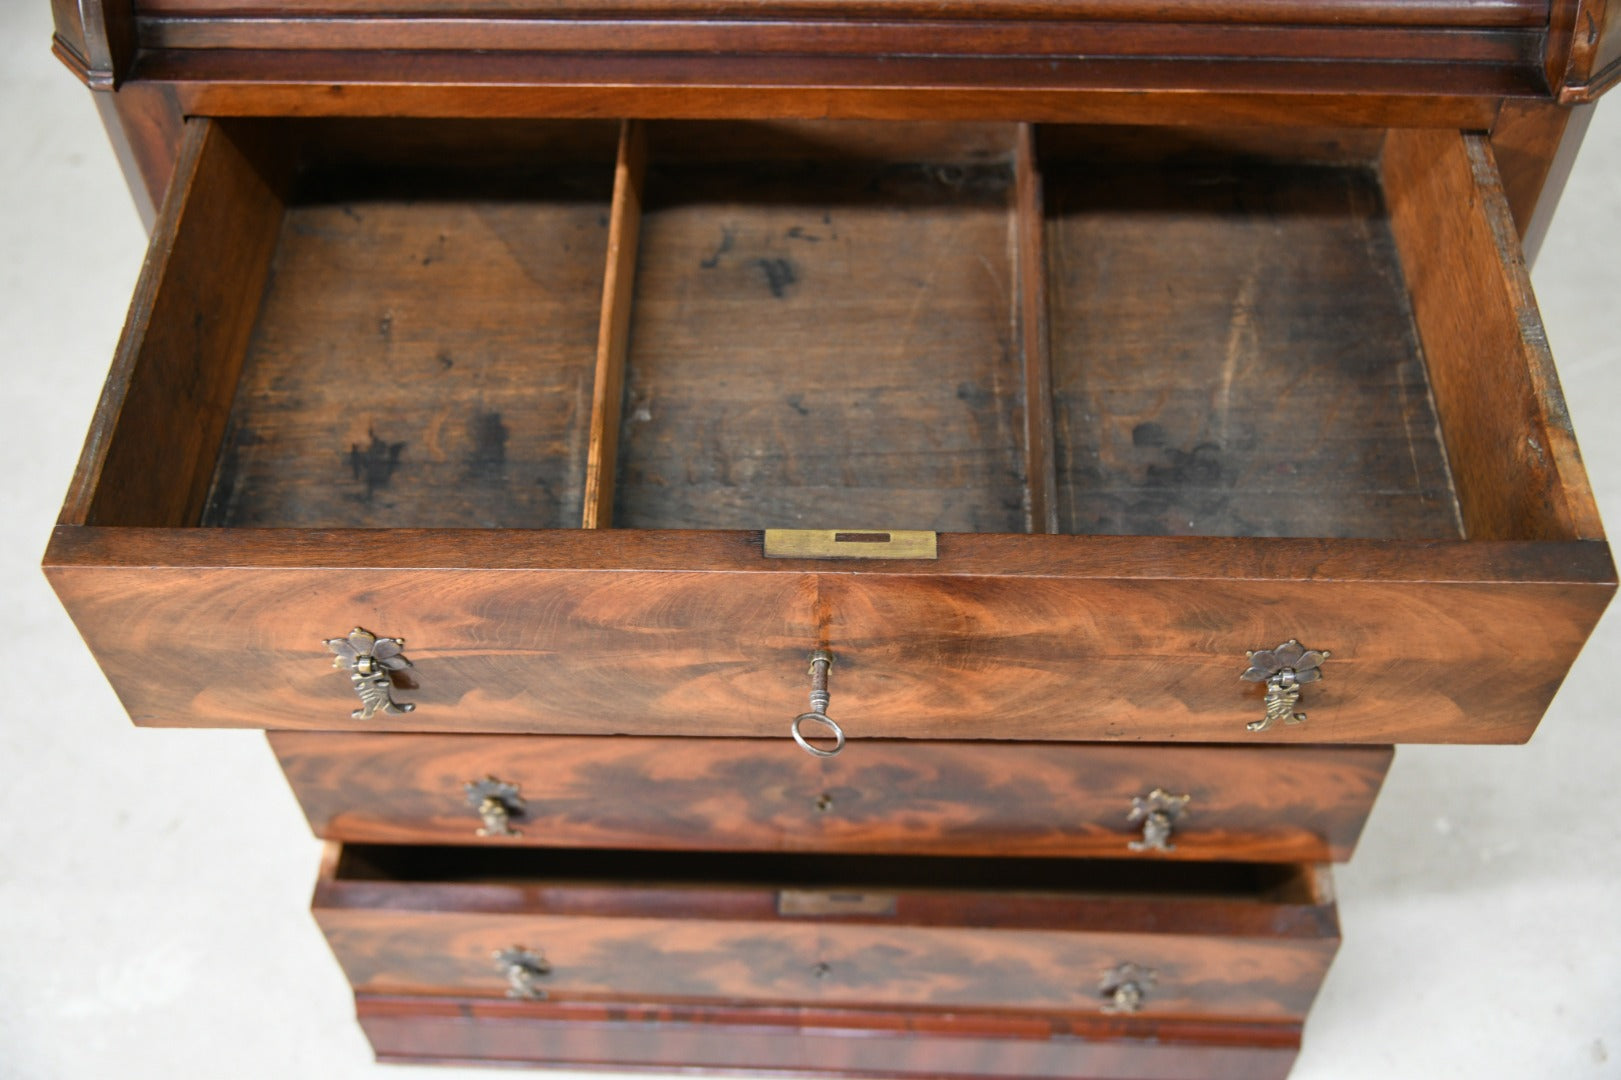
(976, 646)
(395, 952)
(1264, 803)
(821, 1042)
(1193, 940)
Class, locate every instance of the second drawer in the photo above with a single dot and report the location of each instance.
(939, 798)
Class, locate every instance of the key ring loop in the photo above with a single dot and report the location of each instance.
(822, 718)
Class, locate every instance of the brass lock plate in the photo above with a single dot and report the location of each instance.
(850, 544)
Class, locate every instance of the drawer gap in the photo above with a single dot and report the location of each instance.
(852, 874)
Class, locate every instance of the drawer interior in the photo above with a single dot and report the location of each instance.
(614, 868)
(738, 325)
(1124, 895)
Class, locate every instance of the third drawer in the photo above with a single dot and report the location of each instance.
(881, 796)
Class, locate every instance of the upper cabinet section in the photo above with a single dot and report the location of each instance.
(650, 57)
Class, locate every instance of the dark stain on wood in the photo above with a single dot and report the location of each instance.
(374, 464)
(779, 274)
(1234, 354)
(437, 322)
(891, 341)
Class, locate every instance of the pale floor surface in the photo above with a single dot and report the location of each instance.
(154, 884)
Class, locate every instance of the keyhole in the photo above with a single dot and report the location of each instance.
(824, 803)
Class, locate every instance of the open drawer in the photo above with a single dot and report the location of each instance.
(615, 425)
(1236, 941)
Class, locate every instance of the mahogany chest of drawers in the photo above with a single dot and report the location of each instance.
(881, 540)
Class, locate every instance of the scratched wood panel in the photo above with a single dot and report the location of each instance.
(990, 798)
(1234, 354)
(824, 343)
(1225, 940)
(765, 1039)
(424, 353)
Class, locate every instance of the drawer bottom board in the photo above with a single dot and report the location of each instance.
(879, 1044)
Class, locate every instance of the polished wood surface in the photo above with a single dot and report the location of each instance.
(804, 1041)
(987, 798)
(1225, 940)
(695, 633)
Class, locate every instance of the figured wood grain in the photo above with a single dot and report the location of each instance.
(166, 399)
(1047, 799)
(1233, 354)
(1004, 637)
(998, 933)
(824, 344)
(424, 352)
(613, 331)
(822, 1041)
(1509, 442)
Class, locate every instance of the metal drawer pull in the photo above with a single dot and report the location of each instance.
(523, 970)
(1158, 811)
(1284, 670)
(370, 659)
(821, 660)
(1125, 987)
(497, 802)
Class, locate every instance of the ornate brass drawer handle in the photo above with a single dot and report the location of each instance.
(1158, 811)
(370, 659)
(1125, 987)
(524, 970)
(1284, 670)
(821, 660)
(497, 802)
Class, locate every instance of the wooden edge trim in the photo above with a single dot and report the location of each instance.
(1508, 437)
(109, 40)
(873, 1021)
(1588, 92)
(194, 137)
(1103, 558)
(1040, 466)
(74, 61)
(613, 332)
